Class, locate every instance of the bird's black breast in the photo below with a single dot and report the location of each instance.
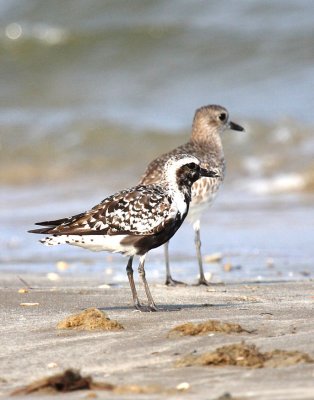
(145, 243)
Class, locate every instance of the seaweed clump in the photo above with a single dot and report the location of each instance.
(190, 329)
(90, 319)
(246, 355)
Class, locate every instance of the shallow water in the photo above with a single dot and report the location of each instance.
(90, 94)
(260, 238)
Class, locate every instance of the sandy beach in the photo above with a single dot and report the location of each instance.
(275, 315)
(90, 94)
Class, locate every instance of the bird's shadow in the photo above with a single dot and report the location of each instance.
(168, 307)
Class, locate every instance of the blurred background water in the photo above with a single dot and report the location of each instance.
(91, 91)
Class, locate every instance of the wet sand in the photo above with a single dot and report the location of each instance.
(275, 315)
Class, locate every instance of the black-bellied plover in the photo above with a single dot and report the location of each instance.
(205, 144)
(133, 221)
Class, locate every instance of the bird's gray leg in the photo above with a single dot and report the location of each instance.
(197, 239)
(129, 271)
(141, 271)
(169, 280)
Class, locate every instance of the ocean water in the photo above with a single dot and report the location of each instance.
(92, 91)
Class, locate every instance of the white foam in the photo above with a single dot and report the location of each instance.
(278, 184)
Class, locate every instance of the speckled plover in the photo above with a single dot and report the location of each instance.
(133, 221)
(205, 144)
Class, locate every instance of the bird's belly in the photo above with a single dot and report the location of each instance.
(204, 192)
(109, 243)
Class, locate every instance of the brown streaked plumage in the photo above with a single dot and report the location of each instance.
(205, 144)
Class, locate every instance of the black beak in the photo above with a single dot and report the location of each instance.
(235, 127)
(208, 173)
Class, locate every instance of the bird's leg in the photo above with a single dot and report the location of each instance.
(202, 280)
(129, 271)
(169, 280)
(141, 271)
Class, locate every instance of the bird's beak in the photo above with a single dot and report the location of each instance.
(208, 173)
(235, 127)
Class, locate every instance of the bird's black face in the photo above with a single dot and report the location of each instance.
(194, 172)
(191, 172)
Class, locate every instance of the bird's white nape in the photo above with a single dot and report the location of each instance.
(171, 168)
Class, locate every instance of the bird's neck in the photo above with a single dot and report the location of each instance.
(184, 189)
(206, 138)
(180, 191)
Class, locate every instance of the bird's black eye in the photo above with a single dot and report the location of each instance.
(192, 165)
(222, 116)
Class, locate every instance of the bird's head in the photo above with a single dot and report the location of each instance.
(184, 170)
(212, 120)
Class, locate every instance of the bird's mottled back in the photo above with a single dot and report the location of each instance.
(126, 212)
(141, 210)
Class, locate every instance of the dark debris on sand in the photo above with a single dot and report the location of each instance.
(71, 380)
(67, 381)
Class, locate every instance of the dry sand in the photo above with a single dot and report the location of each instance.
(274, 315)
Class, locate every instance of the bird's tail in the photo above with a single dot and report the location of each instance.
(50, 225)
(42, 230)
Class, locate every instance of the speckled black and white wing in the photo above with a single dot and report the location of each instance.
(143, 210)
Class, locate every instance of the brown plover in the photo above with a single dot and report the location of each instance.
(133, 221)
(205, 144)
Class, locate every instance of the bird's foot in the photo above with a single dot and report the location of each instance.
(164, 308)
(148, 308)
(173, 282)
(152, 307)
(204, 282)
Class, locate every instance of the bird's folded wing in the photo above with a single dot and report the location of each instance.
(143, 210)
